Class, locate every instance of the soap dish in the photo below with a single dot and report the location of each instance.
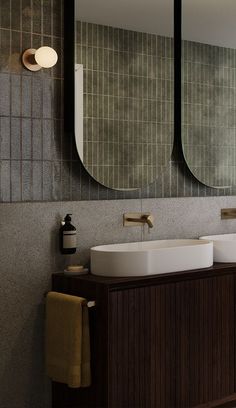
(71, 273)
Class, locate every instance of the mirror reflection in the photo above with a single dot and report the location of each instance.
(209, 90)
(124, 72)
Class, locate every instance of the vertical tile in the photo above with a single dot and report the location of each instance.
(174, 179)
(36, 97)
(56, 140)
(5, 181)
(37, 142)
(16, 181)
(75, 180)
(94, 189)
(56, 179)
(37, 41)
(181, 179)
(5, 137)
(132, 194)
(57, 100)
(58, 47)
(37, 180)
(66, 145)
(102, 192)
(57, 17)
(37, 18)
(5, 95)
(111, 194)
(15, 138)
(5, 50)
(27, 181)
(26, 97)
(26, 139)
(15, 15)
(47, 97)
(26, 15)
(27, 42)
(47, 17)
(47, 140)
(66, 181)
(85, 184)
(16, 95)
(5, 14)
(47, 180)
(15, 64)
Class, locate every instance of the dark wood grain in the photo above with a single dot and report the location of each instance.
(157, 344)
(226, 402)
(205, 340)
(142, 348)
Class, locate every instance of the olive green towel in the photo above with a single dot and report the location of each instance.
(67, 340)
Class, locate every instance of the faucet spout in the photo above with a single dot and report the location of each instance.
(148, 219)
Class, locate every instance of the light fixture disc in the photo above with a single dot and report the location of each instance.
(29, 60)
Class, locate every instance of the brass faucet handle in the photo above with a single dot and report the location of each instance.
(138, 219)
(228, 213)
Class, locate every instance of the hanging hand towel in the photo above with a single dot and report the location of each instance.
(67, 340)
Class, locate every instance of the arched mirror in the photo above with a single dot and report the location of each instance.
(124, 89)
(209, 90)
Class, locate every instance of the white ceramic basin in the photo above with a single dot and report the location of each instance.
(224, 247)
(151, 257)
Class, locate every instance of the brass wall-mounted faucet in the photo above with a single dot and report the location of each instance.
(136, 219)
(228, 213)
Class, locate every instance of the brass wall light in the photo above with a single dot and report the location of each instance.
(43, 57)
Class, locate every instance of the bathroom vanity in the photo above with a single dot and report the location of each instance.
(165, 341)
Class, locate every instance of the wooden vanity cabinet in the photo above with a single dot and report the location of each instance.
(166, 341)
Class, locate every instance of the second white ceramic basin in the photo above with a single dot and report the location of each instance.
(224, 247)
(151, 257)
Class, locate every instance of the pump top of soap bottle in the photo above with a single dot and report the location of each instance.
(67, 222)
(68, 218)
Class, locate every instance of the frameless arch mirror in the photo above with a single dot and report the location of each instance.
(124, 89)
(209, 90)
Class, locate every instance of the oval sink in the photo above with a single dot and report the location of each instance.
(151, 257)
(224, 247)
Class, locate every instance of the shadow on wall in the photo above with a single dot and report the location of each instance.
(24, 376)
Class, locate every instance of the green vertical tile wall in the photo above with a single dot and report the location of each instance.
(128, 104)
(38, 161)
(209, 112)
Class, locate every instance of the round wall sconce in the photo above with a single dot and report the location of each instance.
(43, 57)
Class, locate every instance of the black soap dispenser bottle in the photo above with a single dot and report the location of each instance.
(67, 236)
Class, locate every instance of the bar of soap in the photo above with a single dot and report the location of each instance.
(83, 271)
(74, 268)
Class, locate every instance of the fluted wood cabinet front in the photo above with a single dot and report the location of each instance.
(172, 345)
(142, 347)
(161, 342)
(205, 340)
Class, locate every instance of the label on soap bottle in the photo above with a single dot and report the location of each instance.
(69, 239)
